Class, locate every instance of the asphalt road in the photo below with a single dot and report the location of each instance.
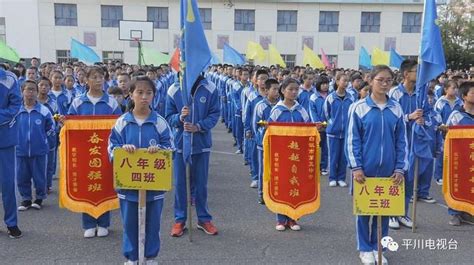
(246, 229)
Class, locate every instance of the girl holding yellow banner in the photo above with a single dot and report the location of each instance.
(376, 146)
(141, 128)
(288, 110)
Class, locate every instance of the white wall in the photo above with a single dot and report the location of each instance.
(22, 26)
(56, 37)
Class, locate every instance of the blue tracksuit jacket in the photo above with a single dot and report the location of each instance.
(335, 111)
(107, 105)
(444, 108)
(10, 103)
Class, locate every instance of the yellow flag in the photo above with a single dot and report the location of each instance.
(274, 56)
(380, 57)
(309, 57)
(255, 52)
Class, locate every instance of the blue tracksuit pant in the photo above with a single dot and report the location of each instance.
(29, 168)
(239, 131)
(367, 233)
(129, 213)
(253, 160)
(230, 115)
(337, 159)
(51, 168)
(260, 171)
(439, 167)
(224, 112)
(281, 218)
(90, 222)
(324, 151)
(7, 177)
(200, 172)
(247, 150)
(424, 178)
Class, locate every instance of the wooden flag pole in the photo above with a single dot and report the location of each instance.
(415, 195)
(189, 199)
(379, 239)
(141, 226)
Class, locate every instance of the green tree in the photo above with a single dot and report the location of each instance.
(456, 21)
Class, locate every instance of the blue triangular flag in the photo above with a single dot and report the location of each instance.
(232, 56)
(83, 52)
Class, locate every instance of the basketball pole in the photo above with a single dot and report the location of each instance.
(140, 53)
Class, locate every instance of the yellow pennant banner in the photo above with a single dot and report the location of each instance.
(141, 170)
(379, 196)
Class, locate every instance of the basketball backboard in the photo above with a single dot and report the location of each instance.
(136, 30)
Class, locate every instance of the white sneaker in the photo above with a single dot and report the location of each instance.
(88, 233)
(367, 258)
(405, 221)
(280, 227)
(102, 232)
(129, 262)
(342, 183)
(393, 223)
(254, 184)
(332, 183)
(376, 257)
(439, 182)
(324, 172)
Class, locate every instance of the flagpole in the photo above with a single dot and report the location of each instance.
(415, 177)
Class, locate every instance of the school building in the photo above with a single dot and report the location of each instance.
(44, 28)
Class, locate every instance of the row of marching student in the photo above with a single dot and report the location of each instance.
(241, 97)
(365, 122)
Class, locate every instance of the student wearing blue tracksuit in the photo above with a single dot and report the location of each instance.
(405, 95)
(335, 108)
(262, 113)
(288, 110)
(80, 84)
(230, 108)
(253, 99)
(425, 166)
(464, 116)
(439, 88)
(95, 102)
(44, 86)
(10, 103)
(376, 147)
(306, 90)
(230, 101)
(354, 86)
(36, 130)
(203, 116)
(244, 98)
(237, 102)
(225, 76)
(141, 127)
(317, 115)
(445, 105)
(59, 93)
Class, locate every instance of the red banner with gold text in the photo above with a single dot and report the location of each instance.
(458, 171)
(291, 157)
(86, 175)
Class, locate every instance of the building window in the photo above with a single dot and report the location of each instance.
(411, 22)
(65, 14)
(159, 16)
(328, 21)
(287, 20)
(3, 30)
(112, 56)
(289, 59)
(370, 22)
(244, 20)
(111, 15)
(206, 17)
(64, 56)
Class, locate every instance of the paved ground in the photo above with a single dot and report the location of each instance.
(246, 229)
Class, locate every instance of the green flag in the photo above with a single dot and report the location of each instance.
(151, 56)
(8, 53)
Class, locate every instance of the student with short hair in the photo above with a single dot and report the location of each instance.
(36, 130)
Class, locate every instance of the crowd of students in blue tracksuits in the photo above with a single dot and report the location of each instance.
(349, 107)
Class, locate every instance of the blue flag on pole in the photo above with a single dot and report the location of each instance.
(232, 56)
(395, 59)
(365, 61)
(431, 63)
(83, 52)
(195, 57)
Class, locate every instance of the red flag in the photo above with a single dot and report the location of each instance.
(325, 59)
(174, 62)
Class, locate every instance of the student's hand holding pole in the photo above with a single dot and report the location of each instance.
(359, 176)
(184, 113)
